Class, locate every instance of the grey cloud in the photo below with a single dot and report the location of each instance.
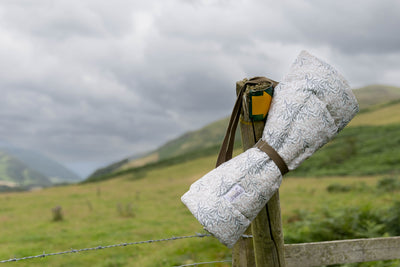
(90, 82)
(67, 19)
(351, 26)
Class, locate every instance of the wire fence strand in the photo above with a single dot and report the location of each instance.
(105, 247)
(202, 263)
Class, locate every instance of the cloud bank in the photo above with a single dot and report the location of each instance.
(90, 82)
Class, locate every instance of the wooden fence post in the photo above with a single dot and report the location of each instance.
(266, 248)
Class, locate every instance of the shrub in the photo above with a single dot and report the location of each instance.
(57, 214)
(125, 212)
(389, 184)
(393, 219)
(338, 188)
(349, 223)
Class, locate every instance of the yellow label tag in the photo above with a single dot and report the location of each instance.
(261, 104)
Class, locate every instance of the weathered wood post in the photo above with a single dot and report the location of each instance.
(266, 248)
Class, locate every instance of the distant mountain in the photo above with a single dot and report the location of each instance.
(26, 168)
(15, 173)
(375, 102)
(55, 172)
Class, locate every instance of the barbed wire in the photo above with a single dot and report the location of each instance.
(123, 245)
(202, 263)
(104, 247)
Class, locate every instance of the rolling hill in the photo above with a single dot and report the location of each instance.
(379, 105)
(204, 141)
(373, 95)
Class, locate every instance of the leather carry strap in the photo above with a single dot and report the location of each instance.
(226, 150)
(265, 147)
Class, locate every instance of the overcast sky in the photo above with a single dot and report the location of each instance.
(89, 82)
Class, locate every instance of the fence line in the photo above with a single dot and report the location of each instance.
(197, 235)
(104, 247)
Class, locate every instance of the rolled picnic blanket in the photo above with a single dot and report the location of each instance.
(311, 104)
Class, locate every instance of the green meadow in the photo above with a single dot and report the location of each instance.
(134, 208)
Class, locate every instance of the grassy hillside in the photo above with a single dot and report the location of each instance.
(133, 208)
(138, 171)
(369, 145)
(376, 94)
(140, 161)
(208, 136)
(361, 150)
(204, 138)
(205, 141)
(383, 114)
(109, 169)
(357, 150)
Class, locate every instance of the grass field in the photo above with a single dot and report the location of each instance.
(147, 206)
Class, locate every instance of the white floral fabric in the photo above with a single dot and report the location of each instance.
(311, 104)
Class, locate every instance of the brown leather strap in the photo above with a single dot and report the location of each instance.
(265, 147)
(227, 145)
(226, 150)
